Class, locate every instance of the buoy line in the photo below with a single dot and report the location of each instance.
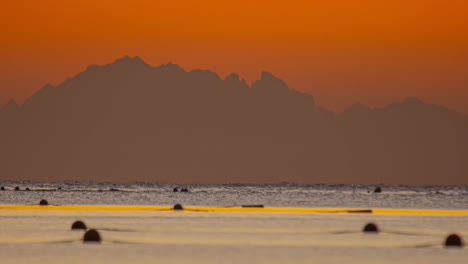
(241, 209)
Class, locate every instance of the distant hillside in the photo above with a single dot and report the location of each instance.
(128, 121)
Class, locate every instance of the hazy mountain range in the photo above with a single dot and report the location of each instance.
(128, 121)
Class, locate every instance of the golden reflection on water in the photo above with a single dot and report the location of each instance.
(226, 235)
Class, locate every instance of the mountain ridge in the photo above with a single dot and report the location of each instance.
(265, 76)
(128, 121)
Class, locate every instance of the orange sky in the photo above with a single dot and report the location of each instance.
(340, 51)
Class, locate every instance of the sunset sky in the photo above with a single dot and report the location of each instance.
(340, 51)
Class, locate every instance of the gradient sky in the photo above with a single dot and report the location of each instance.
(340, 51)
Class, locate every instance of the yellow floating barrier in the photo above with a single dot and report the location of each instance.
(234, 209)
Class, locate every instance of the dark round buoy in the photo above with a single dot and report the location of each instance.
(175, 190)
(454, 240)
(27, 189)
(43, 202)
(184, 190)
(2, 188)
(78, 225)
(178, 207)
(17, 188)
(377, 190)
(92, 236)
(113, 190)
(370, 228)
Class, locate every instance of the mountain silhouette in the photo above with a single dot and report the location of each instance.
(128, 121)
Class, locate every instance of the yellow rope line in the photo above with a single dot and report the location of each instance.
(234, 209)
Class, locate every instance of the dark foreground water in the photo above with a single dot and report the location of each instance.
(44, 236)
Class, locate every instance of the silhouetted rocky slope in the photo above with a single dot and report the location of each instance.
(128, 121)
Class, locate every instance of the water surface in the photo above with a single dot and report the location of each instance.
(44, 236)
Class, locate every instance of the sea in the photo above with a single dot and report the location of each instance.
(168, 236)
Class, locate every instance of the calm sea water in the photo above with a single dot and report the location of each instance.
(44, 236)
(287, 195)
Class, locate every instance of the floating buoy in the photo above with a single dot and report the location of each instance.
(377, 190)
(370, 228)
(114, 190)
(17, 188)
(252, 206)
(184, 190)
(43, 202)
(92, 236)
(178, 207)
(78, 225)
(175, 190)
(2, 188)
(27, 189)
(361, 211)
(454, 240)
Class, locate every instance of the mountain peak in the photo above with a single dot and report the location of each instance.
(407, 103)
(235, 80)
(11, 105)
(267, 75)
(130, 60)
(232, 77)
(171, 67)
(269, 81)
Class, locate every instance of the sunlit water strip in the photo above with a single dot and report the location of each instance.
(234, 209)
